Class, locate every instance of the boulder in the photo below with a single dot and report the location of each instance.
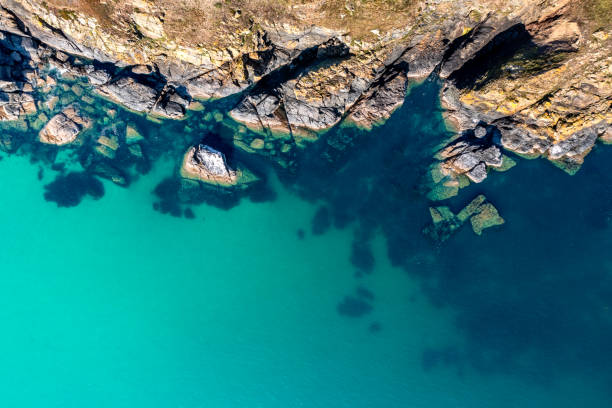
(172, 104)
(209, 165)
(64, 127)
(480, 132)
(15, 104)
(478, 173)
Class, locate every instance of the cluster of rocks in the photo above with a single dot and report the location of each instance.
(481, 214)
(26, 60)
(114, 150)
(471, 156)
(468, 158)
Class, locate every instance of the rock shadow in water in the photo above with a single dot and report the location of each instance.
(352, 306)
(321, 221)
(69, 190)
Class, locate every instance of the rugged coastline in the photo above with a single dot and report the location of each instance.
(523, 77)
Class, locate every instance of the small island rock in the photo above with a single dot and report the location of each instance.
(209, 165)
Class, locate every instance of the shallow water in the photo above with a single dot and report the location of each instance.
(110, 303)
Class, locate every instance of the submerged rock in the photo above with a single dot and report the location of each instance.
(486, 216)
(481, 213)
(69, 190)
(132, 135)
(108, 142)
(352, 306)
(444, 223)
(64, 127)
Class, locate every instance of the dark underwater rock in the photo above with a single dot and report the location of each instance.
(481, 213)
(189, 214)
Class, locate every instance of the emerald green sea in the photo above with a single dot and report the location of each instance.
(321, 291)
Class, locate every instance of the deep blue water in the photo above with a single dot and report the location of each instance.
(316, 289)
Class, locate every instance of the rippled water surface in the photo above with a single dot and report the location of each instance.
(316, 289)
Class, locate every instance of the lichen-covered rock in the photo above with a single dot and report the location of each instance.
(64, 127)
(546, 86)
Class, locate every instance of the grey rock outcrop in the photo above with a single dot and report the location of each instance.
(471, 157)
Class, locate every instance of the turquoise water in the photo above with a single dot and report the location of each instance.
(110, 303)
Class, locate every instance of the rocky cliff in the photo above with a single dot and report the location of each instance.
(522, 76)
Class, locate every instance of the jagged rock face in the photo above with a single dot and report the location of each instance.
(64, 127)
(310, 78)
(550, 95)
(206, 164)
(25, 59)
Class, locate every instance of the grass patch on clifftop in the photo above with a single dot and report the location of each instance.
(600, 12)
